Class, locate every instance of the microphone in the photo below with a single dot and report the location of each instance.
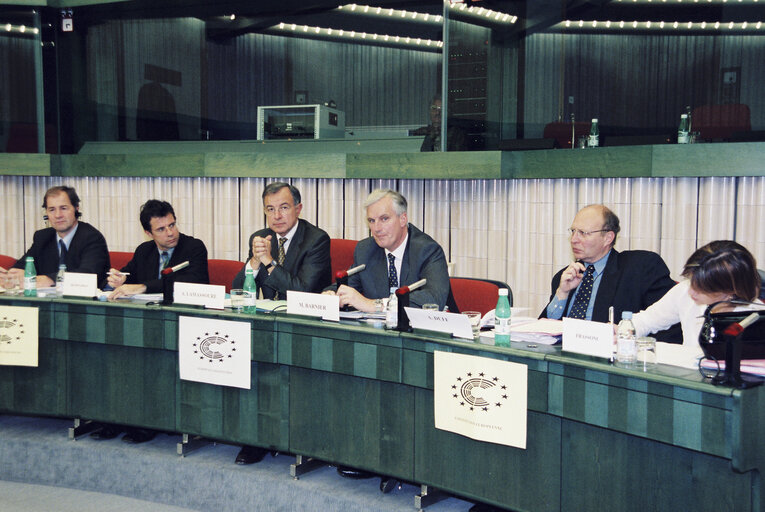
(404, 290)
(736, 328)
(341, 276)
(179, 266)
(403, 301)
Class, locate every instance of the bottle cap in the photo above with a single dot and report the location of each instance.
(626, 315)
(503, 291)
(683, 116)
(595, 120)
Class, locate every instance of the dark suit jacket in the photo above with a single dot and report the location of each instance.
(423, 258)
(144, 266)
(307, 266)
(632, 281)
(87, 252)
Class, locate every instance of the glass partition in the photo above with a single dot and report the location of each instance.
(505, 74)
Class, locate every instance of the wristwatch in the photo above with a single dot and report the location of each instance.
(378, 305)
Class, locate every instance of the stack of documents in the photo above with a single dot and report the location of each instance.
(543, 330)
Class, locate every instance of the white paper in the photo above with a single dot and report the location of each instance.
(215, 351)
(327, 307)
(481, 398)
(589, 338)
(78, 284)
(18, 336)
(207, 295)
(440, 321)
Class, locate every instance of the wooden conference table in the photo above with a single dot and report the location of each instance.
(599, 437)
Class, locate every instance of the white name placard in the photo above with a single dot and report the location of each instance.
(589, 338)
(440, 321)
(313, 304)
(77, 284)
(207, 295)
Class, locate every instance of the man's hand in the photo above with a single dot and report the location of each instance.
(570, 279)
(127, 290)
(351, 297)
(44, 281)
(116, 278)
(261, 251)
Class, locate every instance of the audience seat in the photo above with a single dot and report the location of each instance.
(223, 272)
(720, 121)
(762, 284)
(6, 261)
(341, 252)
(471, 294)
(561, 132)
(118, 259)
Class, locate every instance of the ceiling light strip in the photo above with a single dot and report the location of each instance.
(707, 26)
(21, 29)
(353, 35)
(384, 12)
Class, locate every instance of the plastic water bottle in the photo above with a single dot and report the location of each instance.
(626, 347)
(30, 278)
(391, 313)
(251, 289)
(502, 320)
(683, 131)
(594, 139)
(60, 280)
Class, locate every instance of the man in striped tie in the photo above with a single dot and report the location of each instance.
(600, 276)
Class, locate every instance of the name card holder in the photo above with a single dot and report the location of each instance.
(210, 296)
(440, 321)
(327, 307)
(588, 338)
(78, 284)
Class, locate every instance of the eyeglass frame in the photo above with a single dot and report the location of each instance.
(584, 234)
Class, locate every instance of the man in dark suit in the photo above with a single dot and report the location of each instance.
(303, 261)
(78, 245)
(168, 247)
(601, 277)
(291, 254)
(397, 254)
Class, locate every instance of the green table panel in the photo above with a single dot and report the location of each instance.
(603, 470)
(258, 416)
(37, 390)
(125, 385)
(364, 423)
(503, 475)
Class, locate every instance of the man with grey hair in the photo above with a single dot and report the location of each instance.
(397, 254)
(601, 277)
(292, 253)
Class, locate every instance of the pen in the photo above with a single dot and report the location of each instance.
(118, 273)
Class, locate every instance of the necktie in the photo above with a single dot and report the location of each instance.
(579, 309)
(282, 255)
(165, 259)
(392, 275)
(62, 253)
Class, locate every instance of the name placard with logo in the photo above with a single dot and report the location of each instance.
(440, 321)
(78, 284)
(327, 307)
(210, 296)
(588, 338)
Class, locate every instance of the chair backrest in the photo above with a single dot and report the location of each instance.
(6, 261)
(341, 252)
(762, 284)
(223, 272)
(721, 121)
(118, 259)
(561, 132)
(472, 294)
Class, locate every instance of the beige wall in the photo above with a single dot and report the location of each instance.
(511, 230)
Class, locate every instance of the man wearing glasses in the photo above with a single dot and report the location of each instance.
(601, 276)
(292, 253)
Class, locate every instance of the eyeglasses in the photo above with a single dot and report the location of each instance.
(283, 210)
(435, 107)
(584, 234)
